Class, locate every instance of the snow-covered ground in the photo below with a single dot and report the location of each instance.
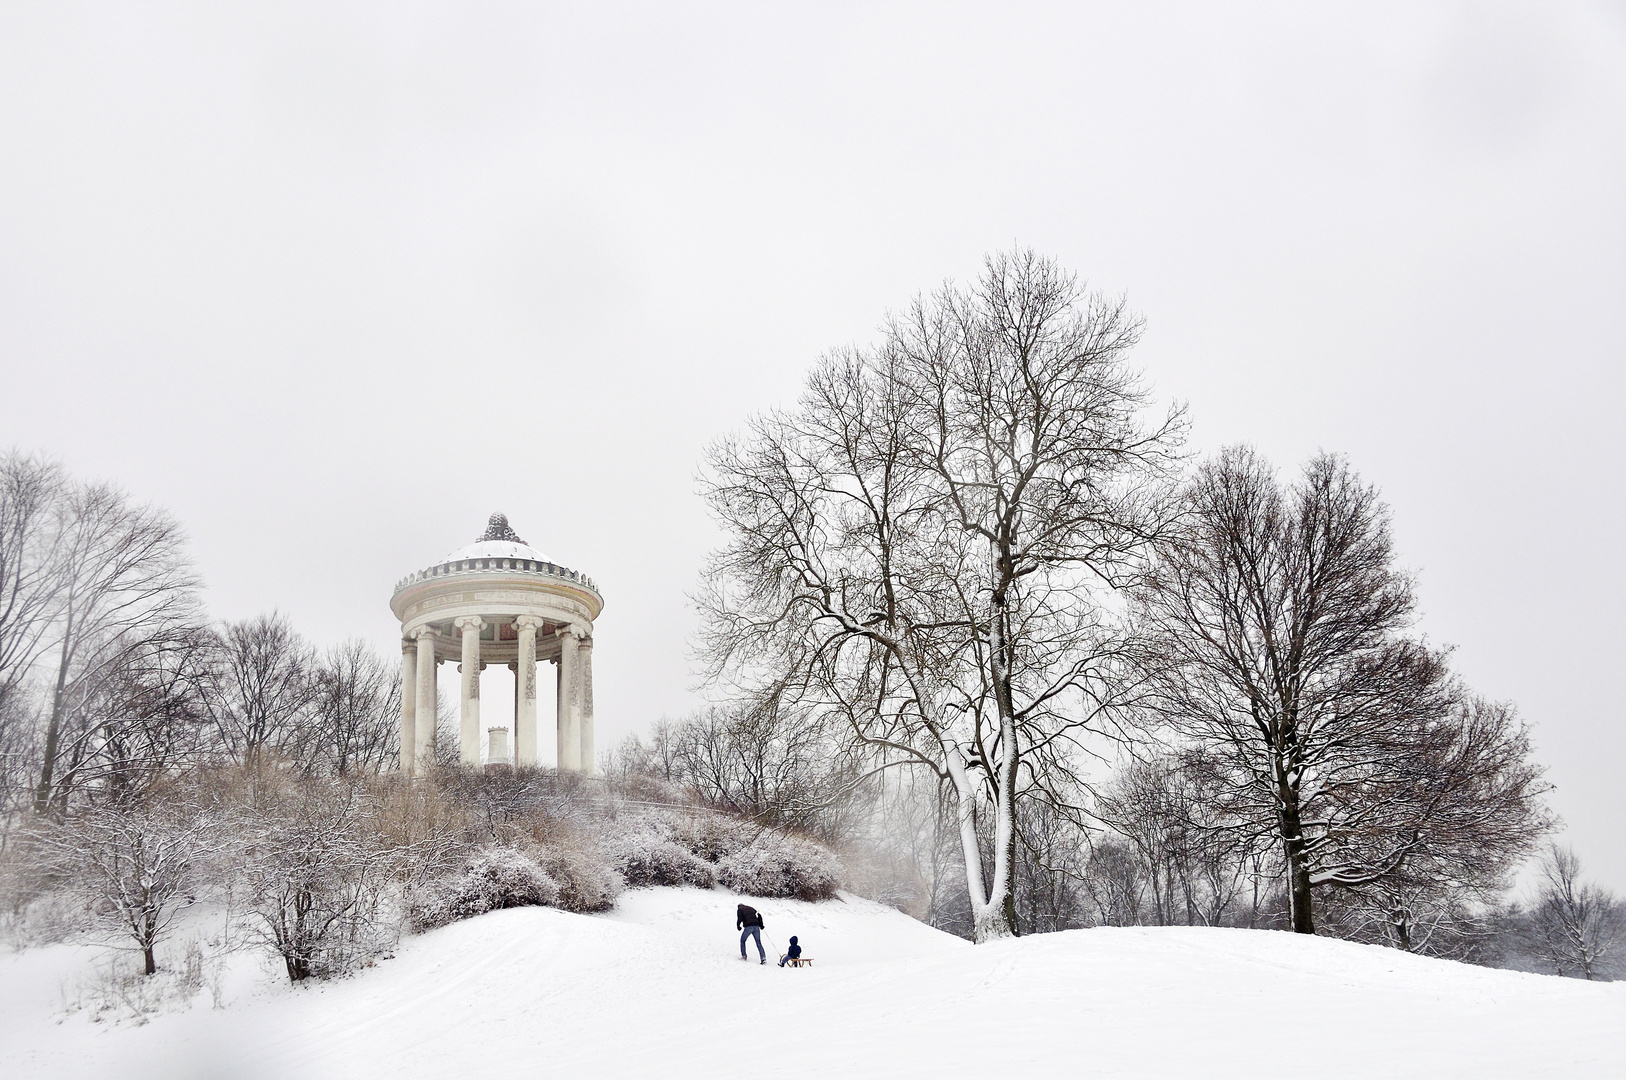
(656, 989)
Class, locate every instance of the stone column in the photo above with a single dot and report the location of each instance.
(584, 702)
(514, 667)
(409, 706)
(525, 692)
(469, 743)
(427, 704)
(570, 737)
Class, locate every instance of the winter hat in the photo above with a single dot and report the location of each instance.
(793, 939)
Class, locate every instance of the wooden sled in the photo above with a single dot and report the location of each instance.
(800, 961)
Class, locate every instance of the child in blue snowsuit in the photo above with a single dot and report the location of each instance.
(792, 953)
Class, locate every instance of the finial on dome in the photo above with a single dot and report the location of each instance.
(497, 529)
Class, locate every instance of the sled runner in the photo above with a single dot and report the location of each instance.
(799, 961)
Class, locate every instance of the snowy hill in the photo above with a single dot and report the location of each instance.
(656, 988)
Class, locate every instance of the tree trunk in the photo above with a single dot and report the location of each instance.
(148, 925)
(993, 910)
(1298, 871)
(1400, 922)
(1004, 876)
(53, 727)
(996, 917)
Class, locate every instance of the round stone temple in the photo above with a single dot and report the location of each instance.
(497, 601)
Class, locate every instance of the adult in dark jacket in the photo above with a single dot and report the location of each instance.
(749, 920)
(792, 953)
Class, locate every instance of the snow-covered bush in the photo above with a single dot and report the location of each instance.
(781, 867)
(497, 878)
(316, 877)
(646, 858)
(586, 881)
(713, 837)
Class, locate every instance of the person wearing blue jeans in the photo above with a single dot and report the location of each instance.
(749, 922)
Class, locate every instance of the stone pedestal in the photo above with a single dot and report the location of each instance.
(497, 746)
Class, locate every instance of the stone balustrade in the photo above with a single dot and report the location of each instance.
(478, 566)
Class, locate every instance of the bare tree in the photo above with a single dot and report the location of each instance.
(123, 580)
(1472, 797)
(145, 713)
(1276, 641)
(31, 492)
(264, 689)
(357, 710)
(664, 758)
(1052, 857)
(1574, 926)
(1170, 809)
(136, 863)
(925, 548)
(316, 873)
(1115, 884)
(1150, 807)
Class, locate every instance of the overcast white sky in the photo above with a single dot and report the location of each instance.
(334, 282)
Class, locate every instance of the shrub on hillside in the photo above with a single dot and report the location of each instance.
(785, 867)
(647, 859)
(497, 878)
(586, 880)
(713, 837)
(315, 875)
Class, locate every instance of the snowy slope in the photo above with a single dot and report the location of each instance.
(656, 989)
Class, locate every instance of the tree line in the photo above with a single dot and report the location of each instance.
(113, 677)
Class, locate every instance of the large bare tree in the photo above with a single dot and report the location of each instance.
(123, 580)
(927, 548)
(31, 489)
(1277, 640)
(31, 492)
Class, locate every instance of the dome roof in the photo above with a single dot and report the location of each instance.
(499, 542)
(496, 549)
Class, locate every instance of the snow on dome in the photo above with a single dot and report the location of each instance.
(499, 542)
(496, 549)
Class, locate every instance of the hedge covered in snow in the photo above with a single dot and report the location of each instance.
(708, 849)
(646, 858)
(496, 878)
(783, 866)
